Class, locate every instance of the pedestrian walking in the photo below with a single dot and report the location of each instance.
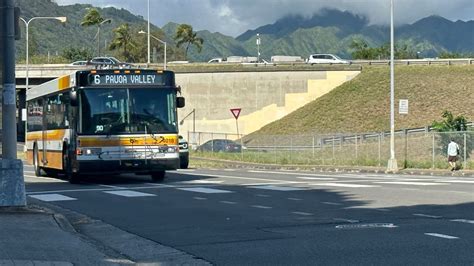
(453, 152)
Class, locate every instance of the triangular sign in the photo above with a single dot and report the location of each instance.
(236, 112)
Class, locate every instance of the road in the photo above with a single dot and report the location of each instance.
(255, 217)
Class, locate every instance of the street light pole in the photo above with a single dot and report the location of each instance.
(98, 34)
(27, 24)
(258, 47)
(392, 163)
(148, 37)
(163, 42)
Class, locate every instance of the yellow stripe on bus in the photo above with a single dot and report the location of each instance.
(49, 135)
(127, 141)
(64, 82)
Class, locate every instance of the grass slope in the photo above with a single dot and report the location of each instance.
(363, 104)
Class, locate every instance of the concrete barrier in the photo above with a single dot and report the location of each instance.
(12, 185)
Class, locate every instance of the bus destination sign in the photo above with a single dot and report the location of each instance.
(125, 79)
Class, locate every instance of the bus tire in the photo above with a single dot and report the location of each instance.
(158, 176)
(184, 162)
(72, 177)
(38, 171)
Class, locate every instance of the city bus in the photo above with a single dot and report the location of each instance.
(104, 121)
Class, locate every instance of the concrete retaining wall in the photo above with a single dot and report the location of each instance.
(264, 97)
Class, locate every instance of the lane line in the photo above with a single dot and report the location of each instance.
(346, 220)
(441, 236)
(411, 183)
(331, 203)
(261, 207)
(295, 199)
(114, 187)
(205, 190)
(278, 188)
(342, 185)
(427, 215)
(202, 182)
(463, 221)
(315, 178)
(263, 195)
(303, 213)
(199, 198)
(228, 202)
(52, 197)
(129, 193)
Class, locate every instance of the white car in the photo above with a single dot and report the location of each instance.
(325, 59)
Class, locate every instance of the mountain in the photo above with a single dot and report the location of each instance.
(329, 31)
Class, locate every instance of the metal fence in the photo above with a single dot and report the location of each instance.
(412, 149)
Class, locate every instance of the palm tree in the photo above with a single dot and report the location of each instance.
(185, 35)
(92, 18)
(122, 39)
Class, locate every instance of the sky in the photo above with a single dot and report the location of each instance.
(234, 17)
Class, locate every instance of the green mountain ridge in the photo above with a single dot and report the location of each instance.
(330, 31)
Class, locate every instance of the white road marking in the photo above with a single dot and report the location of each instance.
(263, 195)
(315, 178)
(341, 185)
(261, 207)
(203, 182)
(262, 184)
(295, 199)
(411, 183)
(129, 193)
(114, 187)
(457, 181)
(427, 215)
(205, 190)
(228, 202)
(52, 197)
(278, 188)
(441, 235)
(199, 198)
(303, 213)
(346, 220)
(247, 178)
(229, 170)
(331, 203)
(463, 221)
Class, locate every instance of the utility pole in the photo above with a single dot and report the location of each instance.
(12, 186)
(392, 166)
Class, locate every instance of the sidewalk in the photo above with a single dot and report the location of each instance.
(35, 235)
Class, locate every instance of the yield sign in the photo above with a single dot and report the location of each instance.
(236, 112)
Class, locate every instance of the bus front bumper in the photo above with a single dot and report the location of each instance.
(126, 166)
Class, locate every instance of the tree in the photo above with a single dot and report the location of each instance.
(76, 54)
(185, 35)
(449, 126)
(123, 39)
(93, 18)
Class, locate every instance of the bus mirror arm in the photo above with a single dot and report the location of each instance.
(73, 98)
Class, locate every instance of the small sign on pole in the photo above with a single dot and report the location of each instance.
(236, 112)
(403, 107)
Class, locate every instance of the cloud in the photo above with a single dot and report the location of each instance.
(233, 17)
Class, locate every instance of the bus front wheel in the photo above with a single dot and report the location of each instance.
(158, 176)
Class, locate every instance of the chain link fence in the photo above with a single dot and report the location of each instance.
(412, 149)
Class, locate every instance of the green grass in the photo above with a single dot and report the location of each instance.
(363, 104)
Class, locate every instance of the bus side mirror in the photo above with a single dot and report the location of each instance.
(73, 98)
(180, 102)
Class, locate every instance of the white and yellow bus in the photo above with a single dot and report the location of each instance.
(104, 122)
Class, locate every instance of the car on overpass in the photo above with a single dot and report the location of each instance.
(325, 59)
(220, 145)
(107, 62)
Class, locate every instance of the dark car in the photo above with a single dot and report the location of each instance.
(183, 153)
(220, 145)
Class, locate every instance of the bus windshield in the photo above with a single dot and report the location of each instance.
(127, 111)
